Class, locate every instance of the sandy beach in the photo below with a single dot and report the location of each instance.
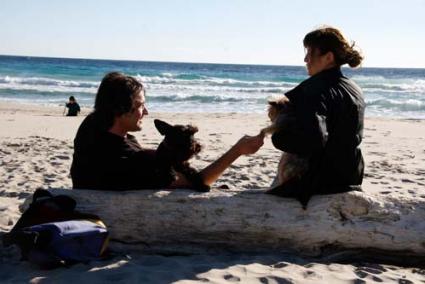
(36, 146)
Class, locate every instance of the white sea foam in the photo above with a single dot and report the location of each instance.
(211, 81)
(407, 105)
(207, 89)
(47, 89)
(381, 84)
(388, 96)
(46, 82)
(46, 85)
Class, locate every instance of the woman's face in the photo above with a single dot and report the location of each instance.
(315, 62)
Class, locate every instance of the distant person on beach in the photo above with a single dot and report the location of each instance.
(107, 157)
(72, 106)
(329, 112)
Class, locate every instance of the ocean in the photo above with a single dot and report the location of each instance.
(199, 87)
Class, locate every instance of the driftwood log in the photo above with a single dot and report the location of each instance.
(187, 222)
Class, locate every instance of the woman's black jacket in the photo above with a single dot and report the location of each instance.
(329, 112)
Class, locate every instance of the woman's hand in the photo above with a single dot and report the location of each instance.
(249, 144)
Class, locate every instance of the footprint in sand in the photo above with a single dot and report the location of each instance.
(12, 194)
(360, 273)
(243, 177)
(231, 278)
(275, 279)
(5, 152)
(223, 186)
(49, 180)
(404, 281)
(13, 144)
(381, 154)
(419, 271)
(24, 195)
(375, 269)
(371, 272)
(62, 157)
(280, 265)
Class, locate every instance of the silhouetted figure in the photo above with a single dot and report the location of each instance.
(72, 106)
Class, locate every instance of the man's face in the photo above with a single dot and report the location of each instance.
(132, 120)
(315, 62)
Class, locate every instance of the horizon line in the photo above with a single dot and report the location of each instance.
(185, 62)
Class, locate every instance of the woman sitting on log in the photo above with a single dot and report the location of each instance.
(329, 111)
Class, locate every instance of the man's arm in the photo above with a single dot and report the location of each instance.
(245, 146)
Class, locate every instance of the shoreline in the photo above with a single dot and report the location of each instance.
(47, 109)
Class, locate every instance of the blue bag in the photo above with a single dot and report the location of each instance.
(72, 241)
(51, 232)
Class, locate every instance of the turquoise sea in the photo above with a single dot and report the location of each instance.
(197, 87)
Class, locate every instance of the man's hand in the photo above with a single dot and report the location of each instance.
(249, 144)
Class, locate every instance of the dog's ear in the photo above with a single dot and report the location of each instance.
(162, 126)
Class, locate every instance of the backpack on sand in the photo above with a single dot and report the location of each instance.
(51, 232)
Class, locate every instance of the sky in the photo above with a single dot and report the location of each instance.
(390, 33)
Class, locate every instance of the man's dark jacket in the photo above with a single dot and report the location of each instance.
(329, 111)
(105, 161)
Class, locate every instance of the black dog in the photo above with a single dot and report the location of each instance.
(179, 145)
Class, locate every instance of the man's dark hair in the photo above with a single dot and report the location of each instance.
(115, 97)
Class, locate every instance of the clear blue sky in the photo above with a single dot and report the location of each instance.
(391, 33)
